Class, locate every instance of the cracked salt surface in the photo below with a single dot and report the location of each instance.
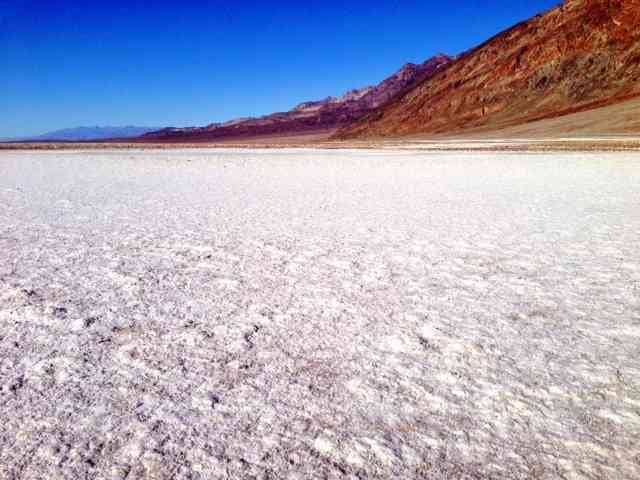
(315, 314)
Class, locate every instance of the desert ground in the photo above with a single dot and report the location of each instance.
(305, 313)
(471, 143)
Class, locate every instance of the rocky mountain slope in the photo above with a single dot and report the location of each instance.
(323, 115)
(581, 55)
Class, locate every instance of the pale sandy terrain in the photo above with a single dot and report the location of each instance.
(617, 120)
(610, 143)
(198, 314)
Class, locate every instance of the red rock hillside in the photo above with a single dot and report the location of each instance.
(581, 55)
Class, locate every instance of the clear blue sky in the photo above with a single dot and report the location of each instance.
(157, 63)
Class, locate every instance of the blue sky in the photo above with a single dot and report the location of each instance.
(157, 63)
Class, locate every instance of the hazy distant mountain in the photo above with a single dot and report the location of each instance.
(87, 133)
(323, 115)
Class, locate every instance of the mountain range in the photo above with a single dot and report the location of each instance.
(85, 134)
(574, 69)
(582, 55)
(317, 117)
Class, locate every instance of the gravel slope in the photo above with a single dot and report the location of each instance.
(314, 314)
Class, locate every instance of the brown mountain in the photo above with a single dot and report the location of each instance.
(323, 116)
(582, 55)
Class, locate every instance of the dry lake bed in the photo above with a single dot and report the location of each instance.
(197, 314)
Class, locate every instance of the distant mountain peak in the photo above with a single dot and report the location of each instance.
(86, 133)
(326, 114)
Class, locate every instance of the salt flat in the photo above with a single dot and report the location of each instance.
(319, 314)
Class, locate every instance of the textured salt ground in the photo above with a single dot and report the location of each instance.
(309, 314)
